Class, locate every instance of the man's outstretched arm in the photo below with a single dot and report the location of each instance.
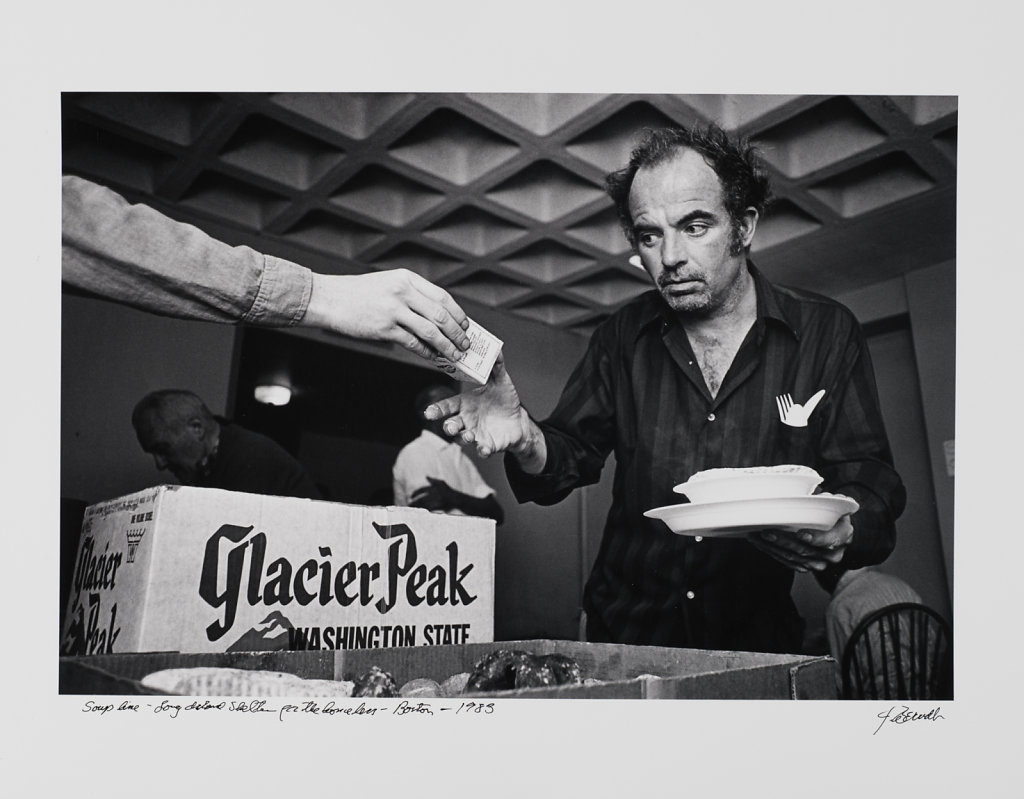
(493, 419)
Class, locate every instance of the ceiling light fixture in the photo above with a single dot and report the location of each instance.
(273, 394)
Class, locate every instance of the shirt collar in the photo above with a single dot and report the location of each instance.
(771, 302)
(770, 307)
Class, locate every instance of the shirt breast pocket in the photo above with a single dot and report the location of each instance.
(796, 444)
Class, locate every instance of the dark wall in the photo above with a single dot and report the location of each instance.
(111, 356)
(915, 364)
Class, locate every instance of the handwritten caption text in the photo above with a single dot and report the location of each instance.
(308, 707)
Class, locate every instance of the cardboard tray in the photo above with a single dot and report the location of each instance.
(626, 672)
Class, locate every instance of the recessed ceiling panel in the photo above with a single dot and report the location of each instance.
(332, 235)
(819, 137)
(551, 311)
(354, 115)
(733, 111)
(603, 231)
(176, 118)
(545, 191)
(610, 287)
(265, 147)
(122, 162)
(547, 261)
(873, 185)
(233, 200)
(783, 222)
(424, 261)
(381, 194)
(452, 147)
(474, 231)
(490, 289)
(926, 109)
(608, 145)
(538, 113)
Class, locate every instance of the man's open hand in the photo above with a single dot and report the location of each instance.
(806, 549)
(490, 416)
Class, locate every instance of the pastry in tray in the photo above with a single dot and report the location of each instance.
(216, 681)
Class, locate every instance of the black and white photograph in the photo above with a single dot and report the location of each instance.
(753, 489)
(476, 420)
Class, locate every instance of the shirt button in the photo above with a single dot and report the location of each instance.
(690, 595)
(711, 417)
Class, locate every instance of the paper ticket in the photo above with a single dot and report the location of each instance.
(476, 362)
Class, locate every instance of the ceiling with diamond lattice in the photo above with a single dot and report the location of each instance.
(498, 197)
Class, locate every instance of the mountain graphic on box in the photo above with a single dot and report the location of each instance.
(271, 634)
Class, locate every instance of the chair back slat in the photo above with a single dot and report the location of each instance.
(918, 652)
(902, 651)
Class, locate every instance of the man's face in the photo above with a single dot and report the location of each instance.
(686, 239)
(178, 447)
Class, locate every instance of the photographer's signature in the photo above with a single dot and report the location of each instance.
(905, 715)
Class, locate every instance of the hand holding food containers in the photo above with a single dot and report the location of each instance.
(774, 506)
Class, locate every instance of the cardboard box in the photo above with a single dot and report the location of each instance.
(625, 672)
(204, 570)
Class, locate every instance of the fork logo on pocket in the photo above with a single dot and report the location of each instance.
(795, 414)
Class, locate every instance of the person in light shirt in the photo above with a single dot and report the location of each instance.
(858, 593)
(433, 472)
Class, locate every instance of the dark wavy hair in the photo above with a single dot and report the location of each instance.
(745, 182)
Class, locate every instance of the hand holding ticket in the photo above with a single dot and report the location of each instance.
(476, 362)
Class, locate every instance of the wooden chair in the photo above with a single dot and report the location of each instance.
(902, 651)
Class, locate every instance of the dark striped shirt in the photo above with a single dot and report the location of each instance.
(639, 393)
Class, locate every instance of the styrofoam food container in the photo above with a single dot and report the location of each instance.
(758, 482)
(741, 516)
